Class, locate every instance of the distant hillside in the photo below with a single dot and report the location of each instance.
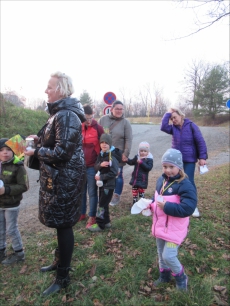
(18, 120)
(15, 99)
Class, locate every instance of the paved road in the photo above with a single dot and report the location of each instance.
(217, 140)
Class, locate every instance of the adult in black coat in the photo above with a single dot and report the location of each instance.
(62, 172)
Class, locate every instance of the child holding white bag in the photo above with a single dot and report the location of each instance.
(174, 201)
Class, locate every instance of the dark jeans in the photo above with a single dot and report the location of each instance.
(102, 217)
(91, 186)
(119, 182)
(189, 169)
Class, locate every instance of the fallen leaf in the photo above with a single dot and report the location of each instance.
(23, 269)
(219, 288)
(97, 303)
(128, 294)
(146, 288)
(92, 271)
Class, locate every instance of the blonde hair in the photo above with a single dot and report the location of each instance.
(178, 111)
(64, 84)
(183, 175)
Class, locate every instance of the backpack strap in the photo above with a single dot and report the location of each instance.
(113, 125)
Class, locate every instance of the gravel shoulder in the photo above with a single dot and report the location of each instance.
(217, 140)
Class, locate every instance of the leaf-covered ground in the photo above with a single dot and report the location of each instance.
(118, 266)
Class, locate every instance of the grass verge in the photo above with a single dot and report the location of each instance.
(118, 266)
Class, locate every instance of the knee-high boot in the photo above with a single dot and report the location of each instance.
(54, 264)
(62, 280)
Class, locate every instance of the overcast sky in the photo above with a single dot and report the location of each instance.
(104, 45)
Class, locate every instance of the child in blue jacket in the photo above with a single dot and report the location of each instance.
(174, 201)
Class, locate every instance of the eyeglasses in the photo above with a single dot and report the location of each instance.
(89, 118)
(118, 109)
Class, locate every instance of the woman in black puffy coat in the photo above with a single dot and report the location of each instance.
(62, 172)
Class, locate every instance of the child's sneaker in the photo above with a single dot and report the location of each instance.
(14, 258)
(95, 228)
(2, 255)
(115, 200)
(91, 221)
(108, 225)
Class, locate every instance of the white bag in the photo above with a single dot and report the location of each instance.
(140, 205)
(203, 169)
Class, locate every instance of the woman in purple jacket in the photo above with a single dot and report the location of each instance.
(187, 138)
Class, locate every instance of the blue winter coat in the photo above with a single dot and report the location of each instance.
(187, 139)
(141, 170)
(184, 189)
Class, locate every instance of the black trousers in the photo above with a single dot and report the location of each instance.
(105, 196)
(65, 238)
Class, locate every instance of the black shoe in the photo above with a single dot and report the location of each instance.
(62, 280)
(54, 264)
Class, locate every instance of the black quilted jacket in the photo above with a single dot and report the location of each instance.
(62, 166)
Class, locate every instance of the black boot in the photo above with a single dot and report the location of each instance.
(165, 277)
(181, 280)
(54, 264)
(62, 280)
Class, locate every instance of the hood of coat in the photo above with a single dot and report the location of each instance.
(148, 156)
(93, 123)
(115, 152)
(68, 103)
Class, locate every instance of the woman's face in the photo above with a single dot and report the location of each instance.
(176, 119)
(53, 94)
(117, 110)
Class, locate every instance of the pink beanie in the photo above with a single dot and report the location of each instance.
(144, 145)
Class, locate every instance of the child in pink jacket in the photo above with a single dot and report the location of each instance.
(175, 200)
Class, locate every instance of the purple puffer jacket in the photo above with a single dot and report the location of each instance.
(187, 139)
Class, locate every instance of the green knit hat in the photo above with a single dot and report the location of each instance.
(106, 138)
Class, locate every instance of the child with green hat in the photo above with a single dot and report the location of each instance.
(107, 164)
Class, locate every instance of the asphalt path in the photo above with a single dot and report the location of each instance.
(217, 140)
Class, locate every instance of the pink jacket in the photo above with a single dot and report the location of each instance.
(168, 228)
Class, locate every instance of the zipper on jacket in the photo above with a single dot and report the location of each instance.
(136, 175)
(166, 225)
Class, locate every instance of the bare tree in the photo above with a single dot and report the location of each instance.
(215, 10)
(197, 70)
